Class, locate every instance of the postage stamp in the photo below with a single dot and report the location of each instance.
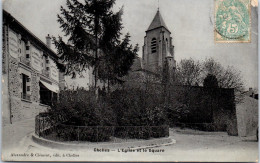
(232, 21)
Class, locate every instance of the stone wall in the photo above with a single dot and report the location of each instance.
(5, 98)
(14, 78)
(247, 116)
(35, 97)
(22, 109)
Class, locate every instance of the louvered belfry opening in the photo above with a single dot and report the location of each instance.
(153, 45)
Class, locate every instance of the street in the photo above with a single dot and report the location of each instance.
(190, 145)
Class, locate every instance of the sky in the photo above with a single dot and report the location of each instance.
(191, 24)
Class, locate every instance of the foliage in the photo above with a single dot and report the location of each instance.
(227, 77)
(192, 73)
(81, 108)
(84, 133)
(188, 72)
(177, 112)
(142, 111)
(121, 108)
(210, 81)
(118, 61)
(93, 32)
(136, 107)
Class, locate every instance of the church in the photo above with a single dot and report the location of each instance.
(157, 53)
(158, 48)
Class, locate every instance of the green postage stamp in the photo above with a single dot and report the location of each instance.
(232, 21)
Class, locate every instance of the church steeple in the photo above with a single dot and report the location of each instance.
(157, 22)
(158, 48)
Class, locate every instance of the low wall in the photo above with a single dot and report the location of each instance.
(132, 144)
(247, 116)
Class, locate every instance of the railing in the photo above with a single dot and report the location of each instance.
(26, 96)
(25, 61)
(62, 132)
(45, 73)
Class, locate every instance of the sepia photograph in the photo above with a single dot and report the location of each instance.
(129, 80)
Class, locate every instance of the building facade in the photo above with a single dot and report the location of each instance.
(30, 74)
(157, 56)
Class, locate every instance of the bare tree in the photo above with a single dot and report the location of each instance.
(193, 73)
(189, 72)
(227, 77)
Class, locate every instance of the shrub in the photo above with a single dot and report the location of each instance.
(81, 108)
(177, 113)
(83, 117)
(138, 108)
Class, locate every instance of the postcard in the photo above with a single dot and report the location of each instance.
(128, 80)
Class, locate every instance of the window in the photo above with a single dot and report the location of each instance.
(27, 47)
(47, 97)
(25, 87)
(153, 45)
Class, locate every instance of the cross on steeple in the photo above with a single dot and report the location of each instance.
(158, 5)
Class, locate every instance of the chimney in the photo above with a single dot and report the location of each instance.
(48, 41)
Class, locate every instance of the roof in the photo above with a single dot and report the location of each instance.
(157, 22)
(13, 23)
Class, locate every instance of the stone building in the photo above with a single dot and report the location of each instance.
(30, 74)
(158, 49)
(157, 55)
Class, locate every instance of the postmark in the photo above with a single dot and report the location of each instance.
(232, 21)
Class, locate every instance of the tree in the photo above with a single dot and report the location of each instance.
(193, 73)
(93, 32)
(188, 72)
(117, 61)
(227, 77)
(210, 81)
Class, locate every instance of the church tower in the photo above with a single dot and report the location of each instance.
(158, 48)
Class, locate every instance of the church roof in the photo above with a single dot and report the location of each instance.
(157, 22)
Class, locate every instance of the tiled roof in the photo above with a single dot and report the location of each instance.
(157, 22)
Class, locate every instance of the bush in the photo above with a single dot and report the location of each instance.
(83, 117)
(81, 108)
(177, 113)
(137, 107)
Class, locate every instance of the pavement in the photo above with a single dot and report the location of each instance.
(190, 145)
(12, 134)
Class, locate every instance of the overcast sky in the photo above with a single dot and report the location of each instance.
(190, 21)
